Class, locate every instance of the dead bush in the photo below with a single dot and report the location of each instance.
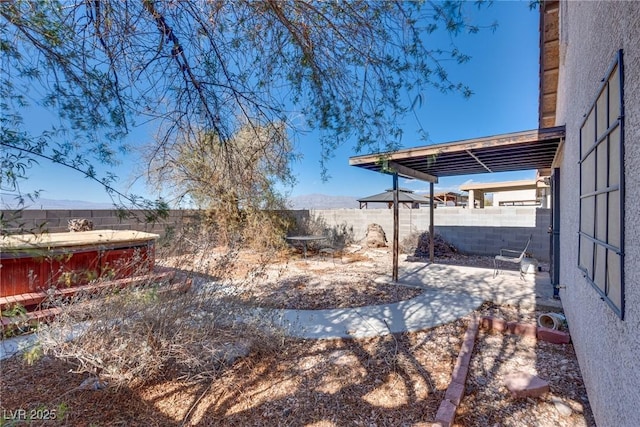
(417, 244)
(80, 224)
(338, 236)
(265, 230)
(139, 333)
(135, 335)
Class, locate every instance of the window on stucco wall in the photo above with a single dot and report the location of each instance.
(601, 243)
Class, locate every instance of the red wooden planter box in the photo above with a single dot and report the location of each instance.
(35, 263)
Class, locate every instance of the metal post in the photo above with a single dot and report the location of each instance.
(396, 227)
(555, 231)
(431, 208)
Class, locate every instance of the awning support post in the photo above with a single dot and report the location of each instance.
(431, 227)
(396, 227)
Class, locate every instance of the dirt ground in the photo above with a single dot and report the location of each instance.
(396, 380)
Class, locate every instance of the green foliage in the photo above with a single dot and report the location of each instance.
(33, 354)
(348, 69)
(14, 310)
(62, 409)
(20, 323)
(535, 4)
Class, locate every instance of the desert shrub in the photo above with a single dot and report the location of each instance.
(341, 235)
(135, 335)
(338, 236)
(265, 230)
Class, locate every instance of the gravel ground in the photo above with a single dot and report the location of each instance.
(394, 380)
(487, 402)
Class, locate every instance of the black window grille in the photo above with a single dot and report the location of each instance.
(601, 236)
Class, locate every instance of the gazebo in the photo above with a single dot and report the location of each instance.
(406, 198)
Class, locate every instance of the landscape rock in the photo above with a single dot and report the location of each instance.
(375, 237)
(562, 408)
(228, 353)
(553, 336)
(522, 384)
(79, 224)
(93, 383)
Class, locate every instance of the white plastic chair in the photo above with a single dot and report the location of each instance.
(508, 255)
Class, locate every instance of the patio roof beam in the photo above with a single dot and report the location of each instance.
(478, 160)
(516, 151)
(408, 172)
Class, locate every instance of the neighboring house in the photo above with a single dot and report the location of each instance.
(411, 200)
(531, 192)
(590, 83)
(450, 199)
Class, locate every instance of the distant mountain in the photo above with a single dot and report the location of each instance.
(10, 202)
(323, 201)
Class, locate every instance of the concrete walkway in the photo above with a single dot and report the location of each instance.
(429, 309)
(449, 293)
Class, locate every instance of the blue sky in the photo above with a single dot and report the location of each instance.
(503, 74)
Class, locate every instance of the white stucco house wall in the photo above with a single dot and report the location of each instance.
(516, 198)
(599, 65)
(530, 192)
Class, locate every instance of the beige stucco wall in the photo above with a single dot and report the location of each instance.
(608, 348)
(513, 196)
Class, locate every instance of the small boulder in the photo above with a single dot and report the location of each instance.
(522, 384)
(80, 224)
(226, 354)
(561, 406)
(375, 237)
(93, 383)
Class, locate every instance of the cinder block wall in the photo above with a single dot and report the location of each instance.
(55, 221)
(472, 231)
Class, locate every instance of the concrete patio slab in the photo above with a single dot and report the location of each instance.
(534, 292)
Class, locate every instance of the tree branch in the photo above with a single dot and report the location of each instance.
(182, 61)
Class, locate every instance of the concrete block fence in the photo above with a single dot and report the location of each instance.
(55, 221)
(472, 231)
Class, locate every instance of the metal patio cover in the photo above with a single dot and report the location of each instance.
(526, 150)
